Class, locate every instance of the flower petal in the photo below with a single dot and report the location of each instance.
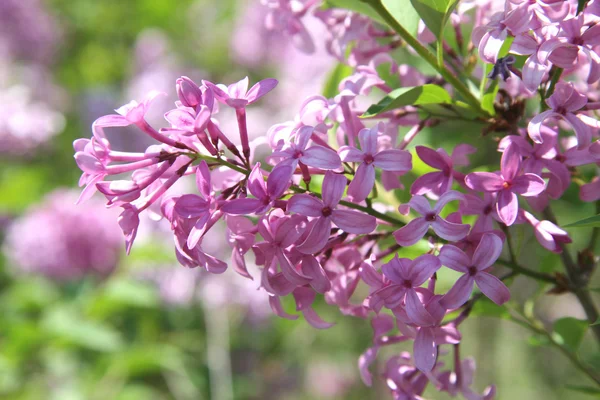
(350, 154)
(305, 204)
(416, 310)
(260, 89)
(448, 230)
(368, 140)
(354, 221)
(289, 271)
(507, 206)
(321, 157)
(432, 158)
(425, 350)
(412, 232)
(311, 267)
(256, 183)
(423, 267)
(279, 180)
(242, 206)
(458, 294)
(492, 287)
(393, 160)
(446, 198)
(454, 258)
(317, 239)
(535, 125)
(510, 162)
(582, 131)
(333, 188)
(429, 182)
(487, 252)
(484, 181)
(362, 183)
(528, 185)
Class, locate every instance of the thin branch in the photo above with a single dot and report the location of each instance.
(578, 279)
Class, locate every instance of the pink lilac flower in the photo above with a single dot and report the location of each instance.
(29, 30)
(417, 228)
(266, 194)
(190, 257)
(237, 94)
(438, 183)
(474, 269)
(388, 160)
(454, 384)
(484, 208)
(240, 235)
(197, 207)
(403, 378)
(563, 103)
(317, 156)
(279, 233)
(286, 16)
(428, 338)
(325, 212)
(547, 233)
(507, 184)
(62, 242)
(575, 36)
(405, 276)
(489, 38)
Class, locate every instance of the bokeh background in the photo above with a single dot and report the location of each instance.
(80, 320)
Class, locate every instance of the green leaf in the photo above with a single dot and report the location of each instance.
(584, 389)
(401, 10)
(581, 5)
(586, 222)
(569, 332)
(336, 75)
(358, 6)
(434, 13)
(597, 321)
(63, 323)
(410, 96)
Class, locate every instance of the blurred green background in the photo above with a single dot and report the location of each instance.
(133, 336)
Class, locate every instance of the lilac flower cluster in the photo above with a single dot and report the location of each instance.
(311, 213)
(62, 242)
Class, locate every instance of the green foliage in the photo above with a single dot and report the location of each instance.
(584, 389)
(586, 222)
(406, 96)
(435, 13)
(569, 332)
(486, 308)
(358, 6)
(404, 13)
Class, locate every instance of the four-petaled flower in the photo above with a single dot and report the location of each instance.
(314, 156)
(237, 94)
(563, 103)
(388, 160)
(277, 182)
(325, 213)
(507, 184)
(437, 183)
(414, 231)
(406, 275)
(474, 270)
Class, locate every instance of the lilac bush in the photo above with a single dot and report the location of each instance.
(318, 215)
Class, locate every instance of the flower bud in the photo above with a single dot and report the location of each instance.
(188, 91)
